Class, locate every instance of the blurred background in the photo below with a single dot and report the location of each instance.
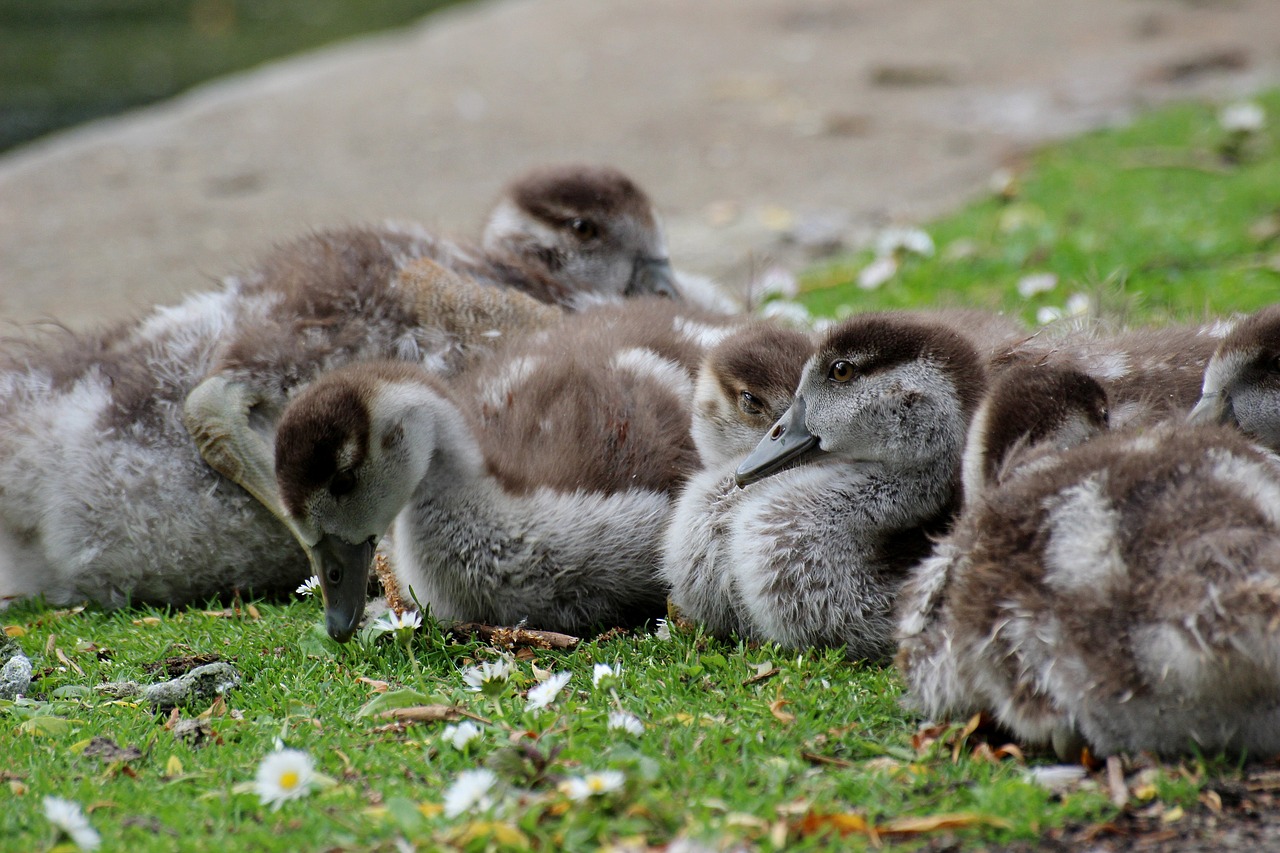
(770, 133)
(67, 61)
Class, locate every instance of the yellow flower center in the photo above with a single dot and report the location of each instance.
(595, 784)
(289, 780)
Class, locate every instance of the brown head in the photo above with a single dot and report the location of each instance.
(586, 229)
(1242, 381)
(744, 385)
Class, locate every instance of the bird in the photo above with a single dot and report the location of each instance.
(1242, 381)
(1148, 373)
(136, 460)
(1118, 591)
(743, 385)
(532, 489)
(842, 493)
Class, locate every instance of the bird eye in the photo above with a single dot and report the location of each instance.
(1273, 364)
(343, 483)
(584, 228)
(750, 404)
(841, 371)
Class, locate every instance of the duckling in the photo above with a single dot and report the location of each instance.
(103, 495)
(1121, 593)
(1242, 381)
(535, 487)
(564, 235)
(745, 383)
(1149, 374)
(813, 553)
(1030, 412)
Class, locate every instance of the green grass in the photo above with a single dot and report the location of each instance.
(1147, 218)
(1149, 221)
(67, 61)
(719, 758)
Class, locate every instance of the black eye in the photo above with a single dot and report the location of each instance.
(584, 228)
(841, 371)
(1273, 364)
(750, 404)
(343, 483)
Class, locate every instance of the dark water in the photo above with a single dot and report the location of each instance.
(66, 61)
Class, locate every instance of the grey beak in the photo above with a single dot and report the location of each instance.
(1213, 408)
(787, 440)
(653, 277)
(343, 570)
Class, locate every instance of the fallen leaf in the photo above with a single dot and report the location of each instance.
(15, 631)
(173, 767)
(814, 758)
(1173, 815)
(17, 788)
(425, 714)
(504, 834)
(762, 675)
(378, 686)
(933, 823)
(252, 611)
(844, 823)
(68, 662)
(785, 717)
(1212, 799)
(147, 620)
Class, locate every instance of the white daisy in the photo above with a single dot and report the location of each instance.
(541, 695)
(469, 791)
(899, 241)
(286, 774)
(1041, 282)
(402, 625)
(308, 586)
(604, 672)
(877, 272)
(593, 784)
(461, 734)
(67, 816)
(489, 677)
(1242, 117)
(663, 630)
(628, 723)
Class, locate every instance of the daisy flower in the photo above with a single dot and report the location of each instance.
(67, 816)
(900, 241)
(877, 272)
(593, 784)
(628, 723)
(1242, 117)
(489, 677)
(604, 672)
(402, 625)
(469, 791)
(286, 774)
(461, 734)
(663, 630)
(308, 586)
(541, 695)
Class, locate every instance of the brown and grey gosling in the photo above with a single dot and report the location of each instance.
(103, 495)
(1121, 593)
(1242, 382)
(744, 385)
(841, 496)
(534, 488)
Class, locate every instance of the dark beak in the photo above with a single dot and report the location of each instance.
(653, 277)
(343, 570)
(788, 440)
(1213, 408)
